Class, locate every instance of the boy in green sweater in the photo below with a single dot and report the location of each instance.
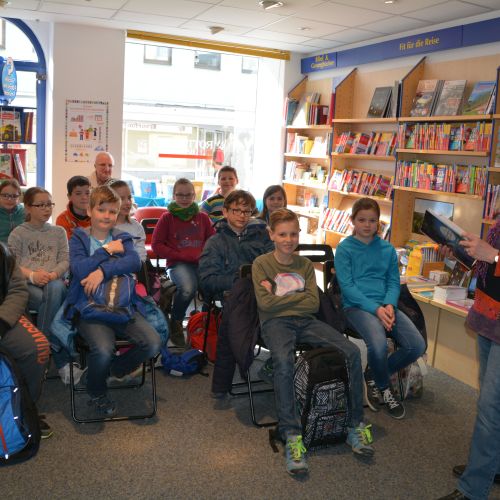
(287, 300)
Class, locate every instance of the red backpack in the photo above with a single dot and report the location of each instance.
(196, 332)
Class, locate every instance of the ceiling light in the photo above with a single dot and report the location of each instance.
(389, 2)
(270, 4)
(304, 28)
(215, 29)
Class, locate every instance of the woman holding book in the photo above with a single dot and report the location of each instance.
(483, 467)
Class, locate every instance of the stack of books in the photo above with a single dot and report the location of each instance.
(374, 143)
(360, 182)
(492, 201)
(449, 292)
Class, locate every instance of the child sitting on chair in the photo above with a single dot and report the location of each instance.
(287, 299)
(98, 254)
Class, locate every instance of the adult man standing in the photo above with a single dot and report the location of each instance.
(101, 176)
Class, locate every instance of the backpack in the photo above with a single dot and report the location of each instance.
(196, 332)
(19, 426)
(187, 363)
(112, 302)
(321, 391)
(331, 310)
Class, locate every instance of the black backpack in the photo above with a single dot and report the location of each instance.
(321, 391)
(19, 425)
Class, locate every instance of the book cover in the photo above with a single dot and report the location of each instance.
(425, 97)
(450, 98)
(19, 170)
(10, 125)
(5, 166)
(445, 232)
(380, 100)
(477, 103)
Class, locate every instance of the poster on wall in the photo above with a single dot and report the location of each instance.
(86, 130)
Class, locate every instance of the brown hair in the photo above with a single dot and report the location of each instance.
(121, 184)
(103, 194)
(12, 183)
(29, 197)
(239, 196)
(76, 181)
(365, 204)
(275, 188)
(181, 182)
(227, 168)
(282, 215)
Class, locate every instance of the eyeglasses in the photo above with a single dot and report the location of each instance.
(6, 196)
(238, 211)
(44, 205)
(180, 195)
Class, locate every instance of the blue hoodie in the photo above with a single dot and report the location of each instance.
(368, 275)
(10, 220)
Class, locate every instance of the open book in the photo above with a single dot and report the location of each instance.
(445, 232)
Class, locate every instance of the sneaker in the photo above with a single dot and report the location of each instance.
(295, 456)
(177, 334)
(266, 372)
(359, 439)
(222, 400)
(64, 373)
(45, 429)
(392, 405)
(373, 397)
(103, 405)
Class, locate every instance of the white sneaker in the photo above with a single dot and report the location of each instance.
(64, 373)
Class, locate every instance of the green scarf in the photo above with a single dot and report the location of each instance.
(184, 214)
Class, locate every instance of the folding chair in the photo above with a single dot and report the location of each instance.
(148, 217)
(82, 349)
(317, 252)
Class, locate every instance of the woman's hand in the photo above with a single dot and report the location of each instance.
(386, 316)
(478, 248)
(92, 281)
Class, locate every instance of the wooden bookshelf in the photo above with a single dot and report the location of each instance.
(378, 199)
(438, 193)
(489, 222)
(444, 152)
(306, 157)
(364, 120)
(310, 127)
(495, 170)
(311, 185)
(354, 156)
(451, 118)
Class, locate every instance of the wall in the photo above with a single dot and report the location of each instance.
(84, 63)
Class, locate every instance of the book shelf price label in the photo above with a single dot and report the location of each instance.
(9, 79)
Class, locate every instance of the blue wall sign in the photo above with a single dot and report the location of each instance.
(9, 79)
(432, 41)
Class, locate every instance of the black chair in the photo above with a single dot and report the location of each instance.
(82, 348)
(317, 252)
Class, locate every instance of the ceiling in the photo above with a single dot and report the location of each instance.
(304, 26)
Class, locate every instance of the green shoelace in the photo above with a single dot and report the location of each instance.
(297, 448)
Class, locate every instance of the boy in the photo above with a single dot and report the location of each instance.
(239, 240)
(97, 254)
(227, 178)
(287, 300)
(76, 215)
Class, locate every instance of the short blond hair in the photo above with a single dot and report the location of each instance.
(103, 194)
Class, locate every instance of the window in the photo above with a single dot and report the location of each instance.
(207, 60)
(249, 65)
(156, 54)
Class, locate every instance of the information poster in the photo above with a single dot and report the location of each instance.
(86, 130)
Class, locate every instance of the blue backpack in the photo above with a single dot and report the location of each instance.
(19, 426)
(112, 302)
(187, 363)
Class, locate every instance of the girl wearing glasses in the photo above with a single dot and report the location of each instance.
(179, 237)
(11, 211)
(41, 250)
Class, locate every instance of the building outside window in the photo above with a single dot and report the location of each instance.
(154, 54)
(207, 60)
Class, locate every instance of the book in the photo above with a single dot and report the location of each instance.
(444, 293)
(478, 101)
(19, 170)
(10, 125)
(445, 232)
(290, 109)
(379, 103)
(450, 98)
(464, 304)
(5, 166)
(425, 97)
(418, 282)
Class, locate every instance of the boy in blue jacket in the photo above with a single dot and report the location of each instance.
(97, 254)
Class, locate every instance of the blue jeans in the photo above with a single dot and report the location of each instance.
(46, 301)
(484, 454)
(281, 335)
(410, 343)
(185, 277)
(102, 360)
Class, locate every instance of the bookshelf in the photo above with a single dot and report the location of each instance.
(17, 141)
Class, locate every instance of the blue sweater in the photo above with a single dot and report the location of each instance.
(368, 275)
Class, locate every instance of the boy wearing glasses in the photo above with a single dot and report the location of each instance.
(179, 237)
(11, 211)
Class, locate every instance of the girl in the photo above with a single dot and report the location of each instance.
(273, 199)
(125, 222)
(227, 178)
(179, 237)
(368, 274)
(11, 211)
(287, 300)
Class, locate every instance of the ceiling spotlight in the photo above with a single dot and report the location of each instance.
(215, 29)
(270, 4)
(389, 2)
(304, 28)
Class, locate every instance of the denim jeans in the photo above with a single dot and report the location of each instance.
(185, 277)
(46, 300)
(484, 454)
(281, 335)
(102, 360)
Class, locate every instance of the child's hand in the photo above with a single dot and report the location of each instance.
(115, 246)
(385, 318)
(53, 276)
(41, 277)
(92, 281)
(267, 286)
